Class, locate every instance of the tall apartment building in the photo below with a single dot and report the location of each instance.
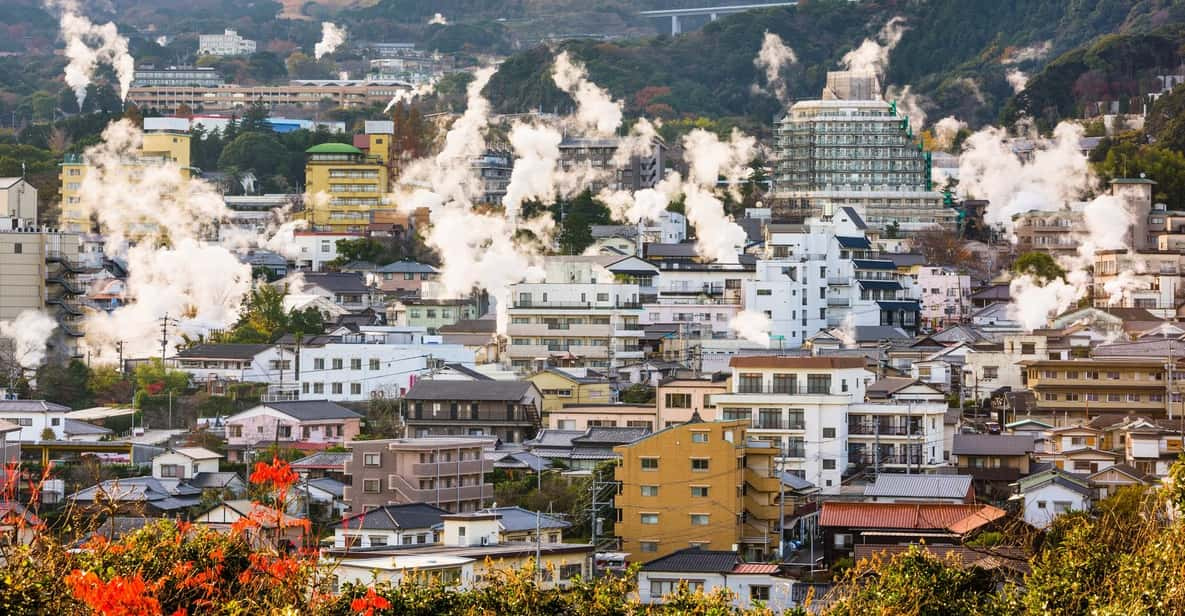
(346, 183)
(1071, 391)
(698, 484)
(229, 43)
(166, 141)
(493, 168)
(198, 76)
(851, 148)
(586, 313)
(812, 410)
(446, 472)
(699, 297)
(635, 174)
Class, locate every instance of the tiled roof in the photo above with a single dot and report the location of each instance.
(469, 390)
(775, 361)
(517, 519)
(394, 517)
(853, 242)
(611, 436)
(223, 351)
(197, 453)
(324, 459)
(214, 480)
(955, 518)
(74, 427)
(889, 385)
(310, 410)
(406, 267)
(694, 560)
(991, 445)
(755, 568)
(335, 282)
(30, 406)
(920, 486)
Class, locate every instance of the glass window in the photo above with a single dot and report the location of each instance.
(649, 490)
(699, 491)
(650, 519)
(699, 519)
(649, 464)
(699, 464)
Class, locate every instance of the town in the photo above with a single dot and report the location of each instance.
(428, 340)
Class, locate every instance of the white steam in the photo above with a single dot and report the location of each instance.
(1017, 79)
(909, 105)
(596, 111)
(774, 56)
(945, 131)
(332, 36)
(407, 96)
(438, 20)
(87, 46)
(29, 334)
(752, 326)
(872, 56)
(1036, 51)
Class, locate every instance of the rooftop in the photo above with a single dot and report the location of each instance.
(469, 390)
(394, 517)
(310, 410)
(695, 560)
(920, 486)
(790, 363)
(991, 445)
(955, 518)
(223, 351)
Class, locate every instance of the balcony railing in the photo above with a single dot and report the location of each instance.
(780, 389)
(839, 301)
(838, 281)
(465, 467)
(884, 429)
(577, 305)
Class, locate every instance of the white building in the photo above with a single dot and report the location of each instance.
(184, 462)
(34, 417)
(241, 363)
(376, 362)
(229, 43)
(1051, 493)
(708, 571)
(18, 199)
(316, 248)
(946, 296)
(700, 298)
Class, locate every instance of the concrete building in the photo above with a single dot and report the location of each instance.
(297, 93)
(851, 148)
(34, 417)
(370, 364)
(40, 272)
(317, 248)
(585, 416)
(493, 168)
(229, 43)
(448, 473)
(214, 365)
(509, 410)
(345, 184)
(172, 76)
(585, 314)
(435, 313)
(1074, 390)
(709, 571)
(946, 296)
(680, 399)
(18, 200)
(401, 277)
(698, 484)
(306, 425)
(634, 173)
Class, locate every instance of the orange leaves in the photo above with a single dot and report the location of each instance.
(366, 605)
(278, 474)
(121, 596)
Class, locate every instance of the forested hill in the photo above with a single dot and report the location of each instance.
(956, 53)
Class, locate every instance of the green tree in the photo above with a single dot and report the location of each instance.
(65, 384)
(576, 219)
(156, 378)
(258, 152)
(1038, 264)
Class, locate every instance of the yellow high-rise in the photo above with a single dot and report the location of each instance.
(345, 185)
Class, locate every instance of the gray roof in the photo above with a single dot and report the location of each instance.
(550, 437)
(610, 436)
(694, 560)
(223, 351)
(794, 482)
(602, 231)
(522, 459)
(394, 517)
(920, 486)
(74, 427)
(336, 282)
(516, 519)
(31, 406)
(136, 489)
(330, 485)
(221, 479)
(905, 259)
(870, 333)
(469, 326)
(469, 372)
(406, 267)
(324, 459)
(311, 410)
(991, 445)
(855, 216)
(469, 390)
(888, 386)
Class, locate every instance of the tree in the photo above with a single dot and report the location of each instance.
(1039, 265)
(65, 385)
(576, 219)
(942, 247)
(155, 378)
(258, 152)
(364, 249)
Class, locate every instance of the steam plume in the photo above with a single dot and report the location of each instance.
(407, 96)
(332, 36)
(87, 46)
(945, 131)
(873, 54)
(709, 159)
(29, 333)
(438, 20)
(909, 104)
(596, 111)
(1017, 79)
(1035, 51)
(774, 56)
(752, 326)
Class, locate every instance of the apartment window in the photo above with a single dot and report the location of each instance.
(649, 490)
(650, 519)
(699, 491)
(371, 459)
(337, 363)
(374, 364)
(699, 519)
(699, 465)
(319, 363)
(304, 388)
(318, 388)
(991, 372)
(764, 291)
(235, 431)
(1114, 398)
(355, 364)
(337, 388)
(796, 420)
(1114, 376)
(649, 464)
(1071, 374)
(678, 401)
(170, 470)
(829, 464)
(356, 389)
(17, 248)
(1028, 348)
(1092, 397)
(1050, 397)
(1071, 397)
(699, 437)
(371, 486)
(759, 593)
(1133, 397)
(648, 546)
(818, 383)
(749, 383)
(785, 384)
(1049, 374)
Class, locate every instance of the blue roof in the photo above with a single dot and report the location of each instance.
(883, 285)
(908, 306)
(878, 264)
(853, 242)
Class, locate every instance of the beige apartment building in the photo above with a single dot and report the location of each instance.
(38, 272)
(1074, 390)
(678, 400)
(446, 472)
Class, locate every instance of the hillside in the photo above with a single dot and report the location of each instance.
(957, 54)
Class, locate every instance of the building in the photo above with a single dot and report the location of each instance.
(946, 296)
(1045, 495)
(680, 399)
(990, 366)
(895, 488)
(851, 148)
(259, 523)
(297, 93)
(172, 76)
(563, 387)
(18, 199)
(698, 484)
(370, 364)
(40, 271)
(993, 461)
(144, 496)
(585, 314)
(493, 168)
(229, 43)
(1074, 390)
(34, 417)
(214, 365)
(318, 248)
(847, 525)
(303, 425)
(448, 473)
(347, 290)
(585, 416)
(184, 463)
(166, 141)
(388, 525)
(401, 277)
(435, 313)
(634, 173)
(509, 410)
(345, 184)
(710, 571)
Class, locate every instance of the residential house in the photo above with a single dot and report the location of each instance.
(708, 571)
(266, 526)
(520, 525)
(81, 431)
(330, 464)
(10, 444)
(344, 289)
(571, 386)
(846, 525)
(679, 399)
(374, 362)
(992, 460)
(445, 472)
(306, 425)
(1047, 494)
(184, 463)
(900, 488)
(389, 525)
(35, 418)
(212, 366)
(553, 445)
(582, 417)
(1152, 449)
(595, 446)
(946, 296)
(678, 488)
(138, 496)
(434, 313)
(1111, 479)
(401, 277)
(991, 366)
(477, 335)
(509, 410)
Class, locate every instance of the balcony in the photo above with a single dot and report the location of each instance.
(760, 510)
(762, 483)
(704, 289)
(884, 430)
(481, 492)
(466, 467)
(838, 281)
(539, 330)
(531, 304)
(839, 301)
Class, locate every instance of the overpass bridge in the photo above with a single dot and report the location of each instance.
(713, 12)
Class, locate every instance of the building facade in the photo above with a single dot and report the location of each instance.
(448, 473)
(345, 184)
(229, 43)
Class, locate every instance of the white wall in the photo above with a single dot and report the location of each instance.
(186, 463)
(33, 423)
(1041, 504)
(397, 364)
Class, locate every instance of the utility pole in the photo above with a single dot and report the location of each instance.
(119, 350)
(164, 335)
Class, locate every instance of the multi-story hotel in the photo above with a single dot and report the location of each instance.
(853, 149)
(698, 484)
(302, 93)
(1071, 391)
(346, 184)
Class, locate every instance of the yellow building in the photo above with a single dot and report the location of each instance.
(571, 386)
(1072, 391)
(345, 184)
(698, 484)
(158, 147)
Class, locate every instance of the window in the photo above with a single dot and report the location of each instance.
(170, 470)
(828, 432)
(1050, 397)
(818, 383)
(699, 437)
(649, 546)
(699, 491)
(699, 519)
(235, 431)
(699, 465)
(374, 364)
(1114, 376)
(662, 588)
(678, 401)
(318, 388)
(1133, 397)
(649, 464)
(991, 372)
(749, 383)
(337, 388)
(829, 464)
(319, 363)
(568, 572)
(377, 540)
(785, 384)
(371, 486)
(18, 248)
(1114, 398)
(337, 363)
(355, 364)
(356, 389)
(649, 490)
(370, 459)
(759, 593)
(650, 519)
